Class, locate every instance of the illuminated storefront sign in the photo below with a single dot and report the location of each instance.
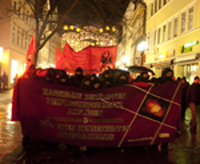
(188, 46)
(165, 55)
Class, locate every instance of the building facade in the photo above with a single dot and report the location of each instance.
(173, 32)
(133, 34)
(16, 31)
(16, 34)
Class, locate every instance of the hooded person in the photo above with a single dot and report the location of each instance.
(62, 78)
(167, 75)
(86, 83)
(50, 76)
(144, 77)
(96, 84)
(122, 79)
(77, 79)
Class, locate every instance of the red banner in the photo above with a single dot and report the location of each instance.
(121, 116)
(92, 59)
(31, 51)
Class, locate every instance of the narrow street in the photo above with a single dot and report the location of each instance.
(184, 150)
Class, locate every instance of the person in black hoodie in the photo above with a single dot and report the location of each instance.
(77, 79)
(62, 78)
(144, 77)
(167, 75)
(86, 83)
(122, 79)
(96, 84)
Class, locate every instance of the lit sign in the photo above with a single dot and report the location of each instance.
(161, 56)
(188, 46)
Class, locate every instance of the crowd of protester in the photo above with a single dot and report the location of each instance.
(190, 94)
(95, 81)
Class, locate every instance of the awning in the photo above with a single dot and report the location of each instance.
(186, 58)
(163, 63)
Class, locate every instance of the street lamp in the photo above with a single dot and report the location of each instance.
(141, 47)
(125, 60)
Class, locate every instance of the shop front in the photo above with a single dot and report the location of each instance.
(162, 61)
(187, 65)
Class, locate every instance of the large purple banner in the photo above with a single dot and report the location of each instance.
(120, 116)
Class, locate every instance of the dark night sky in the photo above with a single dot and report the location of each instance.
(94, 12)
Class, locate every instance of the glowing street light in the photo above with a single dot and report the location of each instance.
(118, 63)
(141, 47)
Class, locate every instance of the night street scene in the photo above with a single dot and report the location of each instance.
(98, 81)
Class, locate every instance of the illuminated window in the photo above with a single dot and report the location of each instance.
(190, 18)
(183, 21)
(175, 27)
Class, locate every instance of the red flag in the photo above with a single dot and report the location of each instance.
(58, 55)
(92, 59)
(31, 51)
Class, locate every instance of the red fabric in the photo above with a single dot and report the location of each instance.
(92, 59)
(31, 51)
(59, 55)
(140, 116)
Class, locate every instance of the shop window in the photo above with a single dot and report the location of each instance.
(175, 27)
(190, 71)
(183, 21)
(190, 18)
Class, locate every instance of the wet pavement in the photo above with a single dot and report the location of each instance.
(185, 149)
